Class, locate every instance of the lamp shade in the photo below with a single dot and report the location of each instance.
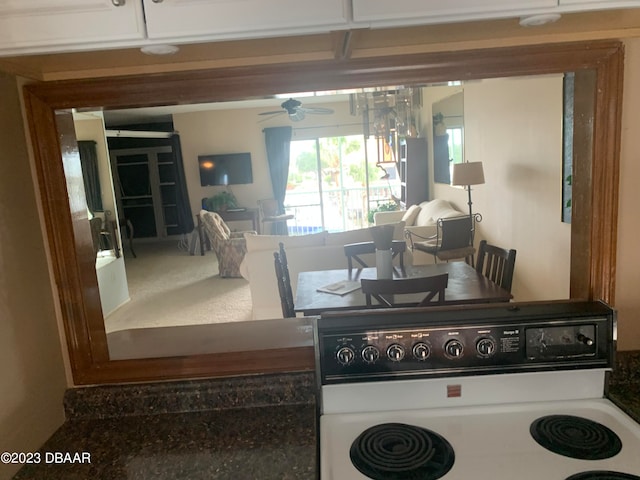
(468, 173)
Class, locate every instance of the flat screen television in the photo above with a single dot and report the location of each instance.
(225, 169)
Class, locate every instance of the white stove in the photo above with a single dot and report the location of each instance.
(487, 392)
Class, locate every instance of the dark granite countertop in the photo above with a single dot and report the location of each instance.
(624, 384)
(261, 427)
(243, 443)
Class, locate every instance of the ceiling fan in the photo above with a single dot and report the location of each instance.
(296, 111)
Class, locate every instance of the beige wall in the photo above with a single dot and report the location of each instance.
(33, 381)
(90, 126)
(514, 126)
(628, 265)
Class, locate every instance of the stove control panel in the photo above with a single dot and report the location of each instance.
(468, 347)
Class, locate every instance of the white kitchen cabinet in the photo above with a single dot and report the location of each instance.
(406, 12)
(219, 19)
(50, 25)
(382, 13)
(599, 4)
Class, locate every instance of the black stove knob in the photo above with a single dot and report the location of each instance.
(453, 348)
(370, 354)
(345, 355)
(584, 339)
(421, 351)
(486, 347)
(395, 352)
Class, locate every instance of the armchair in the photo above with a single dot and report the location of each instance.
(229, 247)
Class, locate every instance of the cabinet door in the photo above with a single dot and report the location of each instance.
(135, 186)
(383, 12)
(213, 19)
(600, 4)
(48, 25)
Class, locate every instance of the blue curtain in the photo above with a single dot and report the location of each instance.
(277, 141)
(90, 177)
(185, 217)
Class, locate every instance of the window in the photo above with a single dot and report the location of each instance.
(334, 181)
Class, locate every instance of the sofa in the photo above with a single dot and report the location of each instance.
(317, 251)
(421, 220)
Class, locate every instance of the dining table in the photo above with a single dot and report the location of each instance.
(322, 290)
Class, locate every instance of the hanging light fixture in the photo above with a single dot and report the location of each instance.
(386, 111)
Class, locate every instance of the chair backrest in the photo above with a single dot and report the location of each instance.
(284, 282)
(455, 232)
(96, 228)
(353, 250)
(215, 227)
(432, 286)
(497, 264)
(268, 207)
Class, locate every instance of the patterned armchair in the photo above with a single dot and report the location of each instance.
(229, 247)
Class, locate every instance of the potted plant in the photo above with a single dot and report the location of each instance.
(221, 202)
(383, 207)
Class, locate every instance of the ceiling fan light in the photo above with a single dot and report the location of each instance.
(297, 116)
(159, 49)
(537, 20)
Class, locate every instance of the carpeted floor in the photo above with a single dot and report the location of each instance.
(169, 287)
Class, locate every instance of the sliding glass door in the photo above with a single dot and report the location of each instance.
(335, 181)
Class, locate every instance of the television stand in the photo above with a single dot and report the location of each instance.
(242, 214)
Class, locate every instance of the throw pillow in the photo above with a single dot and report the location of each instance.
(410, 215)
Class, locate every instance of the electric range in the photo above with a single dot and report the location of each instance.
(485, 392)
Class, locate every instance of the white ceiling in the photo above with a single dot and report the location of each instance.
(163, 113)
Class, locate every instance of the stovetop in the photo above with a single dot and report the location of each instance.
(490, 442)
(482, 379)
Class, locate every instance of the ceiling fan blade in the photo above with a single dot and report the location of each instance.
(273, 115)
(317, 110)
(273, 112)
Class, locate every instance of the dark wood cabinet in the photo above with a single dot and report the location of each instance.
(146, 189)
(413, 166)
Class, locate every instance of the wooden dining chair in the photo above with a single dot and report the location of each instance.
(353, 251)
(380, 289)
(497, 264)
(284, 282)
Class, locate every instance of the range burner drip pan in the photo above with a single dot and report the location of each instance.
(603, 475)
(397, 451)
(575, 437)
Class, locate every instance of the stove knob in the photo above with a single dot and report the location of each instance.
(421, 351)
(345, 355)
(584, 339)
(486, 347)
(453, 348)
(395, 352)
(370, 354)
